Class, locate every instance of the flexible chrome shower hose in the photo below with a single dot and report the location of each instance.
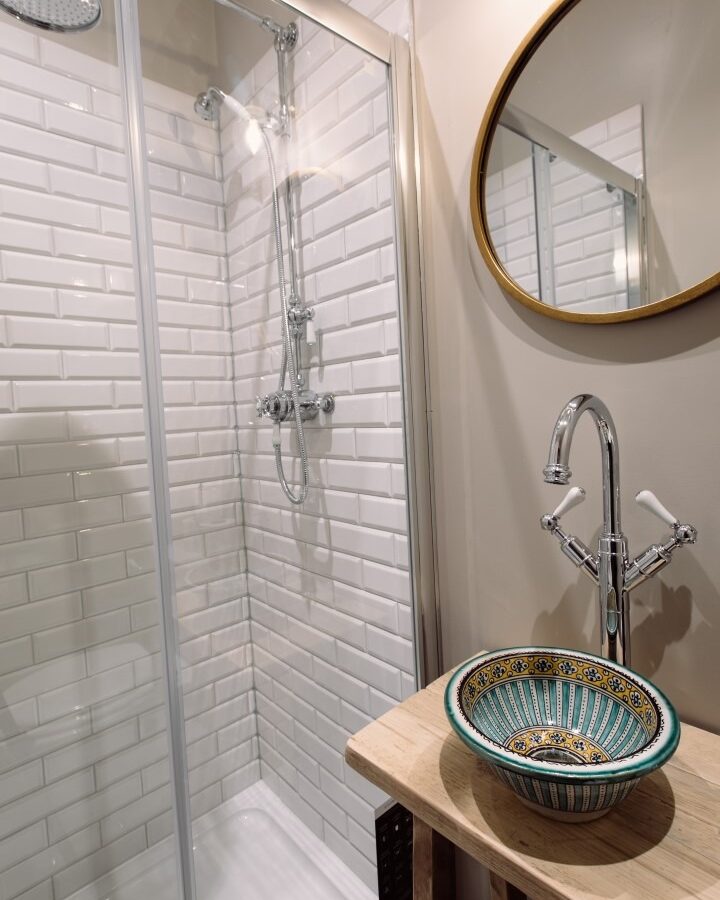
(289, 363)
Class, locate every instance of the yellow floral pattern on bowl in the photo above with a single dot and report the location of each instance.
(544, 665)
(569, 732)
(530, 740)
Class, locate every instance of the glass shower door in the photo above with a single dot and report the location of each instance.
(142, 315)
(83, 732)
(294, 621)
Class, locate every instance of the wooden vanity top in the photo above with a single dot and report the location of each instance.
(662, 843)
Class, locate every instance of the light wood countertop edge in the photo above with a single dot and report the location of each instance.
(697, 761)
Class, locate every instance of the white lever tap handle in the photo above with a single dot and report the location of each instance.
(573, 498)
(650, 502)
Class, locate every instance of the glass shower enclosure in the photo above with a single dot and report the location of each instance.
(207, 220)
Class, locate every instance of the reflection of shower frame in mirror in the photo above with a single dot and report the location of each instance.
(549, 144)
(634, 195)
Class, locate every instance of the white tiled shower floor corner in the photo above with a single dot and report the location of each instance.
(250, 848)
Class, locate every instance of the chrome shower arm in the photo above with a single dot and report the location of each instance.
(286, 33)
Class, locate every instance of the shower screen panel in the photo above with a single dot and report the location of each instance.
(200, 600)
(83, 739)
(268, 139)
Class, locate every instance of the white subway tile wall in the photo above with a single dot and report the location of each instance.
(324, 606)
(588, 221)
(329, 584)
(83, 749)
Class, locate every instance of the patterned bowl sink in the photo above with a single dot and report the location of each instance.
(570, 733)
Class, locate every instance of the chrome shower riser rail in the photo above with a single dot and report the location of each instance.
(290, 361)
(284, 42)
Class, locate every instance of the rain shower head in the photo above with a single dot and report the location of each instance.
(55, 15)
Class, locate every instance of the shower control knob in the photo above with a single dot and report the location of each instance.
(262, 406)
(276, 406)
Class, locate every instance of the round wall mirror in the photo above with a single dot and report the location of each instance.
(595, 193)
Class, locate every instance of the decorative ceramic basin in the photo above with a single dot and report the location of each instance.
(569, 732)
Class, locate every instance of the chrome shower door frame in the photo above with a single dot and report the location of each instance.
(143, 257)
(413, 358)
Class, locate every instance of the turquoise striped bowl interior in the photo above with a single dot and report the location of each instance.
(569, 732)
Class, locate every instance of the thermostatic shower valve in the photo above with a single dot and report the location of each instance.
(279, 406)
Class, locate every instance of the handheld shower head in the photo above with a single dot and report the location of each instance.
(207, 106)
(208, 103)
(55, 15)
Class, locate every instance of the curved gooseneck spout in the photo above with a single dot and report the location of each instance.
(612, 549)
(558, 471)
(611, 570)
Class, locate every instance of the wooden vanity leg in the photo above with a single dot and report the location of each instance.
(433, 864)
(503, 890)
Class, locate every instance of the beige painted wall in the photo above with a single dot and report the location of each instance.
(240, 43)
(179, 47)
(178, 42)
(499, 376)
(186, 44)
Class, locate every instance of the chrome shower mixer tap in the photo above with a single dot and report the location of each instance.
(610, 569)
(279, 405)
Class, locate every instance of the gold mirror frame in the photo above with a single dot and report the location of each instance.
(500, 95)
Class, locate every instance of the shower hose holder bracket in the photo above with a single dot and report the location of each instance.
(279, 405)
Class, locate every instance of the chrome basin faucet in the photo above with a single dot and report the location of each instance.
(611, 569)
